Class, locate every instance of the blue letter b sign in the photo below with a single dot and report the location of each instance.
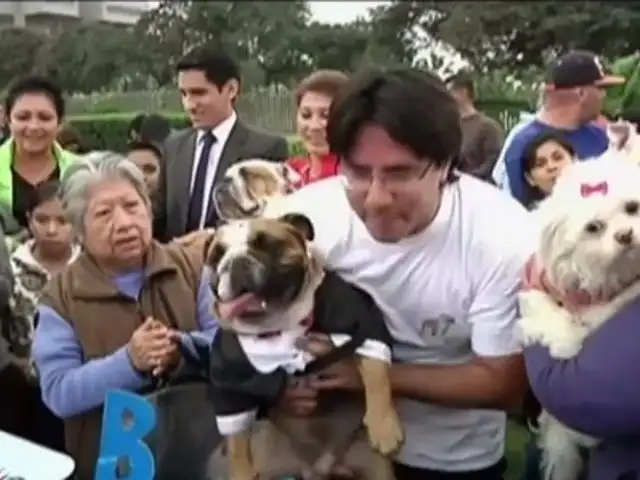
(128, 418)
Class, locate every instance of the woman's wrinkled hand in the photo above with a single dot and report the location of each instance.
(150, 347)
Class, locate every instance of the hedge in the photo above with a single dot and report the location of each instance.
(109, 131)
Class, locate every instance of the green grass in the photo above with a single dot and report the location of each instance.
(517, 438)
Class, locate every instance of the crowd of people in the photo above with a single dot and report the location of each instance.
(415, 196)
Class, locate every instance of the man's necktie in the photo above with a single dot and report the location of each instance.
(196, 201)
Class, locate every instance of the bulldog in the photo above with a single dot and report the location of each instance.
(623, 139)
(270, 290)
(248, 185)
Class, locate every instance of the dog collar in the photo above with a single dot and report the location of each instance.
(572, 300)
(306, 323)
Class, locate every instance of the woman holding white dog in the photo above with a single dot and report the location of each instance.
(543, 161)
(591, 255)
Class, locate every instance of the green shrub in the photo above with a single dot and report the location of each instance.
(110, 131)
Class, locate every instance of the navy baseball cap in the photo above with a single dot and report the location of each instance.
(580, 68)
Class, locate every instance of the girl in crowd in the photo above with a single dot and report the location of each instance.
(313, 99)
(35, 109)
(543, 161)
(146, 155)
(49, 251)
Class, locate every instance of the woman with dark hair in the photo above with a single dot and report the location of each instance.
(313, 100)
(542, 162)
(35, 109)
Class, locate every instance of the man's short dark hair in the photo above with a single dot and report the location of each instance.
(216, 64)
(35, 84)
(412, 106)
(462, 81)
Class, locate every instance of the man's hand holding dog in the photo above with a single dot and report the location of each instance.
(151, 348)
(302, 398)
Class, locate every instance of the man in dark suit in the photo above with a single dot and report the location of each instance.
(194, 160)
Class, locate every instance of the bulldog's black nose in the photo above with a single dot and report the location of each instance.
(246, 275)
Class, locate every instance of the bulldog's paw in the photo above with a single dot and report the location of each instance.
(385, 432)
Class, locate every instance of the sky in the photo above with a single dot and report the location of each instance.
(330, 11)
(340, 12)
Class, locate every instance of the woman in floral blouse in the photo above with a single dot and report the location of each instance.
(313, 100)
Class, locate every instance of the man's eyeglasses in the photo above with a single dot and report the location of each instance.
(400, 178)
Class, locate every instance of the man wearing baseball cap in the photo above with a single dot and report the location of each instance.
(573, 98)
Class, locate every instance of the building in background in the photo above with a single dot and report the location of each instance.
(54, 13)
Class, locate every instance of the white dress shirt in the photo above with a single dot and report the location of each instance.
(222, 133)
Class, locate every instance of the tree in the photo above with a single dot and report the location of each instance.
(18, 48)
(394, 28)
(87, 58)
(264, 34)
(162, 37)
(519, 35)
(341, 47)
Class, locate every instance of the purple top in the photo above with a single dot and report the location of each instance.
(597, 392)
(71, 386)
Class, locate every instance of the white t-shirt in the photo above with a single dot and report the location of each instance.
(447, 293)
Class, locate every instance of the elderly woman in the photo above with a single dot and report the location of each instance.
(111, 320)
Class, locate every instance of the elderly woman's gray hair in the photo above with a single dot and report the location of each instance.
(92, 169)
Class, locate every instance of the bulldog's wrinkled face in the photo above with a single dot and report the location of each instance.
(248, 185)
(263, 273)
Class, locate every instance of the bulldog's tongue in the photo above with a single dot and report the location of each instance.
(239, 305)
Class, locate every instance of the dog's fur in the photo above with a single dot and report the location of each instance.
(249, 185)
(586, 268)
(274, 260)
(624, 140)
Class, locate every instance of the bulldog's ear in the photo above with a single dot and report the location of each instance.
(301, 223)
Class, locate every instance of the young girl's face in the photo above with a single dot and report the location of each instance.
(50, 229)
(551, 159)
(149, 165)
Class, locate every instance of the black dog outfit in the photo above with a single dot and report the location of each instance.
(249, 372)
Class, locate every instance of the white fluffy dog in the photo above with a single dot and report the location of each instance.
(586, 268)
